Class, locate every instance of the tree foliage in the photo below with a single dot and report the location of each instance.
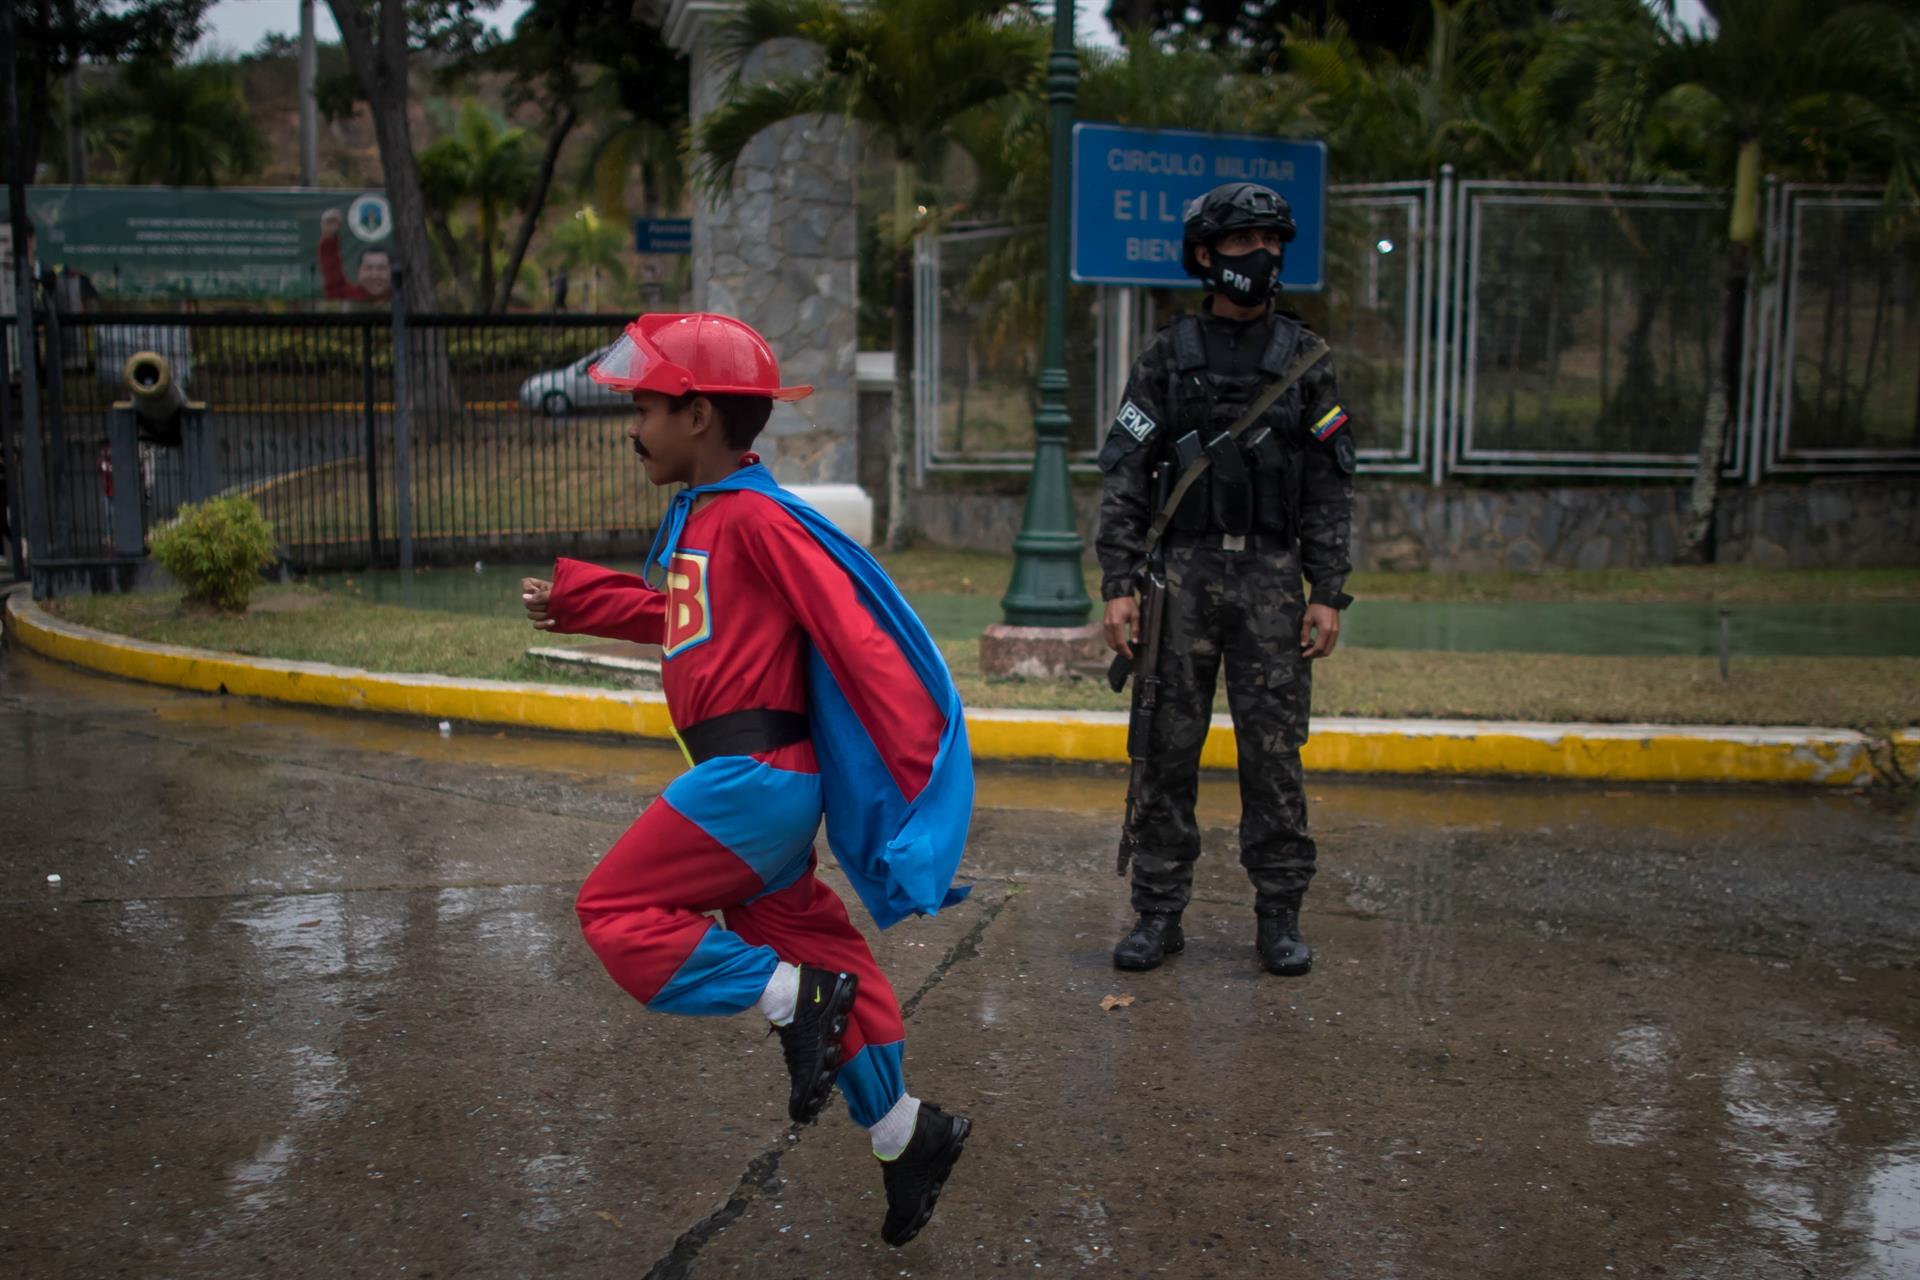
(185, 126)
(486, 165)
(909, 72)
(588, 246)
(1255, 32)
(380, 38)
(1826, 89)
(52, 37)
(589, 61)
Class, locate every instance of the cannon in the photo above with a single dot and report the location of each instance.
(155, 397)
(158, 412)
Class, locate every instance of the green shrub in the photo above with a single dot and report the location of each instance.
(216, 550)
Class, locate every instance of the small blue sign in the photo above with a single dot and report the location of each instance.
(663, 235)
(1130, 185)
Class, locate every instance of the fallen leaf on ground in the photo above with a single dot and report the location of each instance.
(603, 1215)
(1110, 1003)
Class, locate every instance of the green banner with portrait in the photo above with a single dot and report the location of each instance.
(134, 244)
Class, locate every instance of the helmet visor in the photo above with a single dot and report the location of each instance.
(635, 364)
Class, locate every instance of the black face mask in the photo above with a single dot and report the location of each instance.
(1248, 279)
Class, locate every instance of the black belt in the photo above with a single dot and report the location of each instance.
(1258, 540)
(744, 733)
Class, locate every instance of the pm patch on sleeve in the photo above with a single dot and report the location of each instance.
(1133, 421)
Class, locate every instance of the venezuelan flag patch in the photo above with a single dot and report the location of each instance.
(1335, 419)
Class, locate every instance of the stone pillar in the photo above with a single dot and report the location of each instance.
(778, 250)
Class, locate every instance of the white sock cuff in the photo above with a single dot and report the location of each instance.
(777, 1002)
(895, 1129)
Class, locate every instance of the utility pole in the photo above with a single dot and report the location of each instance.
(33, 481)
(309, 61)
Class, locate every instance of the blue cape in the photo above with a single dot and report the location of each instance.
(899, 852)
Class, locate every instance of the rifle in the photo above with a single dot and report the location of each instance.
(1146, 693)
(1146, 699)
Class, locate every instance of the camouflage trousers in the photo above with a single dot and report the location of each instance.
(1244, 607)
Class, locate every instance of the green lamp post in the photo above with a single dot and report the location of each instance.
(1047, 589)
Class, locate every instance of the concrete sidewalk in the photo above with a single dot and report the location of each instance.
(1795, 755)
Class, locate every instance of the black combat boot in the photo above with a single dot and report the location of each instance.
(1281, 948)
(1156, 935)
(915, 1176)
(811, 1042)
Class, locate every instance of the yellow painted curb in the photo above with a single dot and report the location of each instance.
(538, 706)
(1594, 752)
(1466, 748)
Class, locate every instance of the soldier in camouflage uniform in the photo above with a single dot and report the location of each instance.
(1275, 503)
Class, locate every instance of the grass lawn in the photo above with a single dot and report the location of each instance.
(937, 569)
(1870, 693)
(305, 625)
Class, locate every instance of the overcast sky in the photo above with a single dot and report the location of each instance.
(236, 26)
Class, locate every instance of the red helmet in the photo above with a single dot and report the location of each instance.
(676, 354)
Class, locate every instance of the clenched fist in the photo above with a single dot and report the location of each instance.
(534, 593)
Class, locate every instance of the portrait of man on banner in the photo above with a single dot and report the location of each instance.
(363, 230)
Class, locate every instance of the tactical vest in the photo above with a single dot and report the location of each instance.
(1252, 484)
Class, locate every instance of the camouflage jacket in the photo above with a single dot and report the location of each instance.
(1310, 416)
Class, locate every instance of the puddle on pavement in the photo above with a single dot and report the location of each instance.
(1890, 1216)
(1643, 1059)
(1740, 1112)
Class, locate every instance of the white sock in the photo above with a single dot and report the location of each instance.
(782, 994)
(895, 1130)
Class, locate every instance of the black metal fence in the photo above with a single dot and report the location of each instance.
(506, 448)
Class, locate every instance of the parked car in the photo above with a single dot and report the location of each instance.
(558, 392)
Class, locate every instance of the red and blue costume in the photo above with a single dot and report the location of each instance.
(765, 604)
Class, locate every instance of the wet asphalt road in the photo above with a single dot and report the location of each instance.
(310, 1001)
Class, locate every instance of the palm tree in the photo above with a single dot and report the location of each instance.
(488, 164)
(1816, 86)
(178, 126)
(588, 243)
(907, 70)
(1385, 119)
(630, 144)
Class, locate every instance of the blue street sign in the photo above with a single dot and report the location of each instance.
(663, 235)
(1129, 186)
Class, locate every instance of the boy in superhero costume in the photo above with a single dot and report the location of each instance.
(800, 683)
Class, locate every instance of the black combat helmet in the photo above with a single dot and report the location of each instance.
(1232, 206)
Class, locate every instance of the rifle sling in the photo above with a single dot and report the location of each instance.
(1309, 356)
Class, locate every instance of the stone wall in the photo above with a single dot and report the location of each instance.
(1828, 524)
(989, 521)
(779, 251)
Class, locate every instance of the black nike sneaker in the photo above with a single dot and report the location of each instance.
(915, 1176)
(811, 1042)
